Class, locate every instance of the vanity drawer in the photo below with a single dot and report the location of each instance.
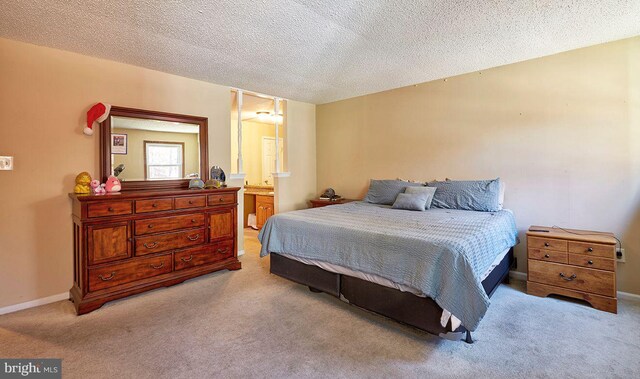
(154, 205)
(548, 255)
(162, 242)
(547, 243)
(203, 255)
(166, 224)
(111, 208)
(113, 275)
(190, 202)
(592, 262)
(224, 198)
(593, 249)
(576, 278)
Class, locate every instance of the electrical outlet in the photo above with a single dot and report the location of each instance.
(620, 255)
(6, 163)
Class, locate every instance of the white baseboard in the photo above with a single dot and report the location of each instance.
(240, 252)
(621, 295)
(34, 303)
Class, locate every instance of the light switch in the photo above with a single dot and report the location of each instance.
(6, 163)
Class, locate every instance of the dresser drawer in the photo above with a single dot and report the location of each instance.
(167, 224)
(113, 275)
(593, 249)
(111, 208)
(548, 255)
(576, 278)
(225, 198)
(190, 202)
(169, 241)
(203, 255)
(547, 243)
(592, 262)
(154, 205)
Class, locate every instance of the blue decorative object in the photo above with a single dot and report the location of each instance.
(218, 174)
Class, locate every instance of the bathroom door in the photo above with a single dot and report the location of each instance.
(269, 158)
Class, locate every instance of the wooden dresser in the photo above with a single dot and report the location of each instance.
(574, 263)
(131, 242)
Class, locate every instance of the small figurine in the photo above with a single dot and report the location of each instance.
(82, 183)
(217, 173)
(113, 184)
(97, 188)
(196, 183)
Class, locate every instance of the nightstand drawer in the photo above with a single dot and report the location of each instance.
(592, 262)
(573, 277)
(548, 255)
(547, 243)
(593, 249)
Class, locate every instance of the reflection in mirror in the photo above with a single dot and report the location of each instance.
(144, 149)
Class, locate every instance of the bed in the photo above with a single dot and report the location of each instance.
(434, 270)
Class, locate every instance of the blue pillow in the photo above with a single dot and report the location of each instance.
(410, 201)
(472, 195)
(386, 191)
(428, 192)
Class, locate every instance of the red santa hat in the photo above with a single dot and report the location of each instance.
(96, 115)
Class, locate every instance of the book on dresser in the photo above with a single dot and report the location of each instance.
(130, 242)
(574, 263)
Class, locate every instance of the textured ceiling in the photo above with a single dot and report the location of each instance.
(319, 50)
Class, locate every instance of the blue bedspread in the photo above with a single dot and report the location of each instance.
(442, 252)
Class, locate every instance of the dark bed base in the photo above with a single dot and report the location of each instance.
(420, 312)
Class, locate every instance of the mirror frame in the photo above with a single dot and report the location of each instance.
(137, 185)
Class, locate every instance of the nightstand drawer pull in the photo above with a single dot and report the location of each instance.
(590, 249)
(546, 244)
(567, 278)
(104, 279)
(590, 262)
(546, 255)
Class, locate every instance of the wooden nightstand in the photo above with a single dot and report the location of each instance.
(317, 203)
(574, 263)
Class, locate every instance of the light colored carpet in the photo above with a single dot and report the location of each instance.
(249, 323)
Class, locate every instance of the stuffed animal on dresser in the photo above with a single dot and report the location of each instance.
(113, 184)
(82, 183)
(97, 188)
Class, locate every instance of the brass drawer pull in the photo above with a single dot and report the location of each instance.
(150, 226)
(158, 267)
(104, 279)
(221, 199)
(190, 201)
(546, 255)
(187, 259)
(546, 244)
(193, 220)
(110, 209)
(222, 251)
(151, 246)
(193, 238)
(590, 249)
(568, 279)
(154, 205)
(590, 262)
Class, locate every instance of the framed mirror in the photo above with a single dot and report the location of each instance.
(152, 150)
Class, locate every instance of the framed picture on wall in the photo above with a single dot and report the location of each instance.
(119, 144)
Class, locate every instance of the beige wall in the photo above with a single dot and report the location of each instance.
(252, 133)
(44, 96)
(562, 131)
(134, 159)
(294, 191)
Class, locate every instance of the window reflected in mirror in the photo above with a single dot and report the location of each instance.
(143, 149)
